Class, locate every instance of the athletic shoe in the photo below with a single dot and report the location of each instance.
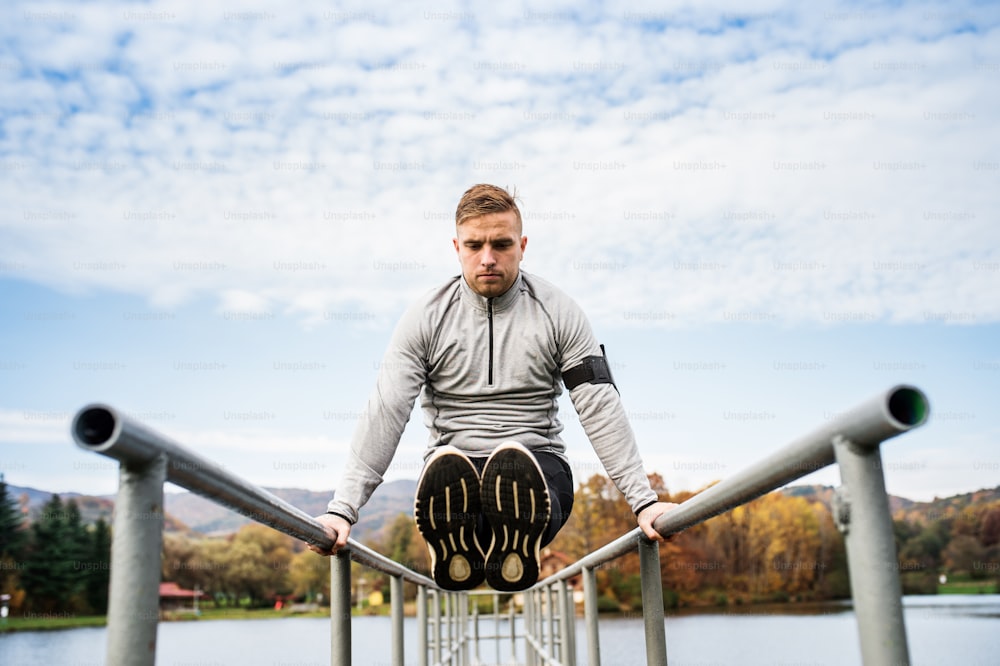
(515, 501)
(447, 509)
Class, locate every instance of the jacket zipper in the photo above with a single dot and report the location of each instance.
(489, 318)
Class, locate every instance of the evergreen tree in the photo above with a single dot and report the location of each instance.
(13, 539)
(51, 575)
(99, 573)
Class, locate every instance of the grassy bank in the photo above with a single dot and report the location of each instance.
(969, 587)
(45, 622)
(53, 622)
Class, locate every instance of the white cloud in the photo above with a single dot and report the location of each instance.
(190, 155)
(34, 427)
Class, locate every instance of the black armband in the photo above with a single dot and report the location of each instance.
(340, 515)
(593, 369)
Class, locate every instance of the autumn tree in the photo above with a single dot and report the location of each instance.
(309, 576)
(962, 553)
(257, 563)
(989, 525)
(600, 515)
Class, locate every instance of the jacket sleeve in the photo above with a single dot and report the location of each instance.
(603, 416)
(376, 438)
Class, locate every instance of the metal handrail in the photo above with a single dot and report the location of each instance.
(861, 512)
(882, 417)
(102, 429)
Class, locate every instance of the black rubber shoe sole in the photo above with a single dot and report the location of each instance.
(515, 500)
(446, 509)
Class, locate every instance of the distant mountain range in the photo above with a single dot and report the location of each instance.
(187, 512)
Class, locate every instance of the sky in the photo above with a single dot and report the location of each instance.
(771, 211)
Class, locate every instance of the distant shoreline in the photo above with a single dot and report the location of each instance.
(16, 624)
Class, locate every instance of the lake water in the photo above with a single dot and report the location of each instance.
(943, 630)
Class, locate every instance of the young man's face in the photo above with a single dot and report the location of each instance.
(490, 249)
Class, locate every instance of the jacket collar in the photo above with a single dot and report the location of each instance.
(501, 302)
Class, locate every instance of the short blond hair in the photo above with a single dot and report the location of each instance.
(484, 199)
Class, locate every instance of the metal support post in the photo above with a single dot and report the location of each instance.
(475, 629)
(449, 616)
(496, 625)
(590, 617)
(396, 590)
(551, 611)
(340, 609)
(568, 624)
(436, 621)
(134, 602)
(463, 626)
(652, 602)
(539, 633)
(421, 625)
(862, 514)
(513, 632)
(529, 627)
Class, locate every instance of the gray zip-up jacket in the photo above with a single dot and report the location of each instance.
(488, 371)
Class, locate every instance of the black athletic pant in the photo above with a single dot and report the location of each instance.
(558, 478)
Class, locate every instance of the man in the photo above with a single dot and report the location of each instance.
(488, 352)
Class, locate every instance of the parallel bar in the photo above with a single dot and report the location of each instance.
(871, 554)
(134, 597)
(652, 602)
(396, 591)
(340, 609)
(148, 460)
(888, 414)
(102, 429)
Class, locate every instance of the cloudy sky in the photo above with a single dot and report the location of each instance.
(214, 213)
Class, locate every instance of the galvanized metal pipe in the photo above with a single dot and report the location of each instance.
(886, 415)
(463, 626)
(436, 621)
(590, 617)
(340, 609)
(863, 516)
(102, 429)
(513, 632)
(475, 629)
(652, 602)
(569, 623)
(421, 625)
(450, 610)
(134, 595)
(496, 625)
(396, 590)
(531, 626)
(553, 618)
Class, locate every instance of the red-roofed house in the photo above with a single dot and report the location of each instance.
(173, 597)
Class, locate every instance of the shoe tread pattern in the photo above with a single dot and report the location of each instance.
(515, 501)
(446, 508)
